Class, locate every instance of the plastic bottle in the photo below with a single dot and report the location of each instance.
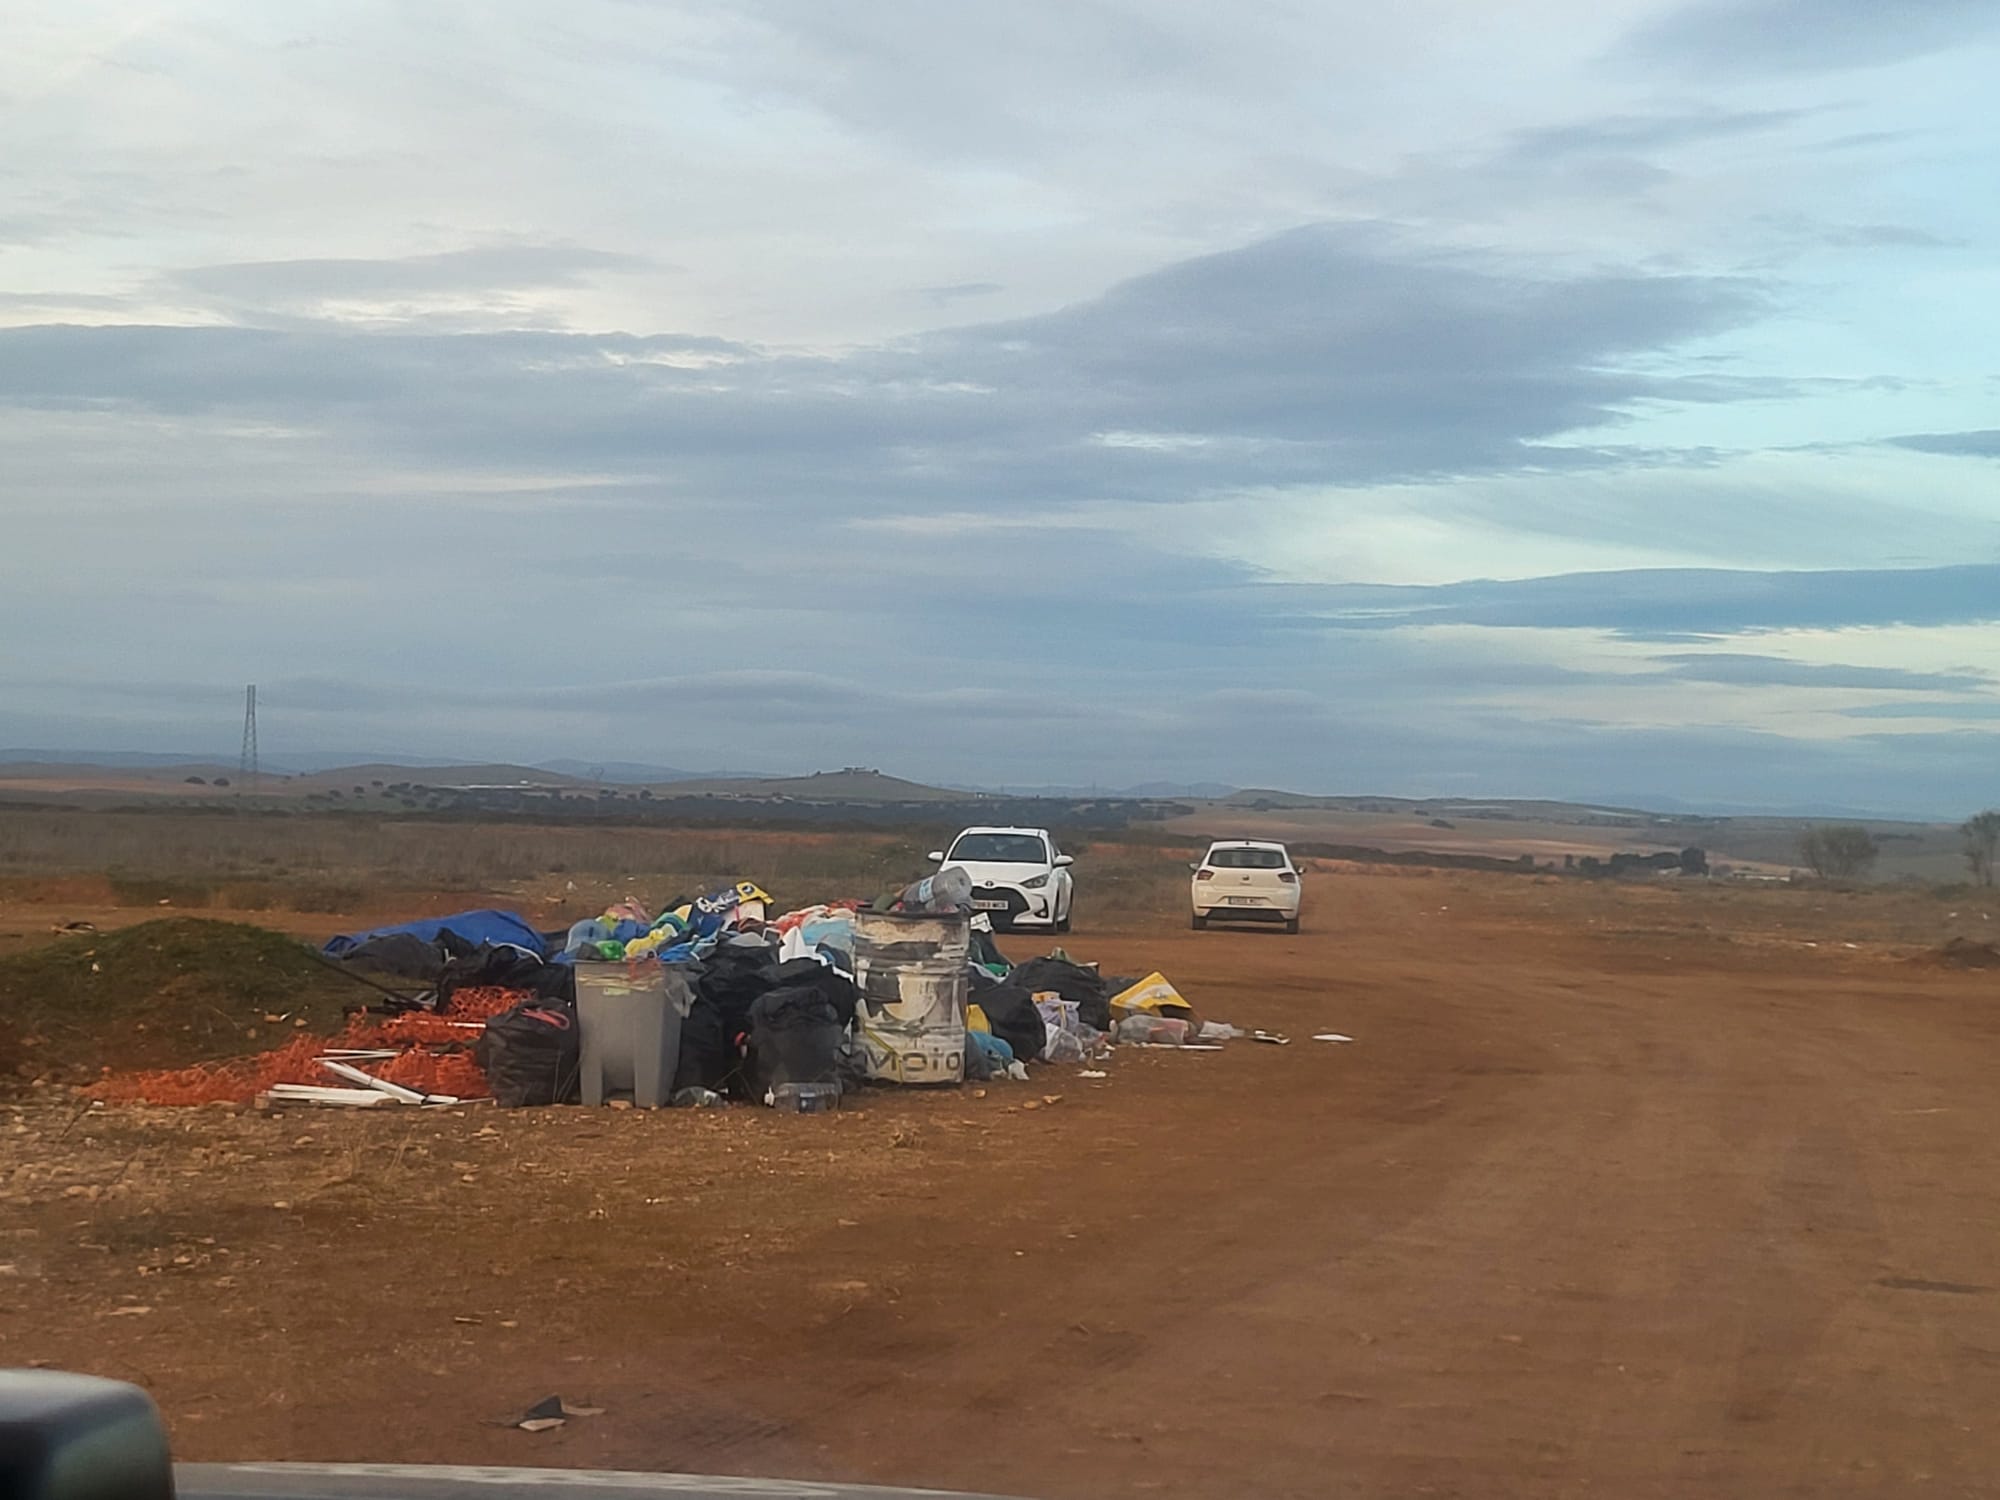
(948, 890)
(1152, 1031)
(804, 1098)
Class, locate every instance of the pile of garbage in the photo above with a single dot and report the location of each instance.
(711, 1000)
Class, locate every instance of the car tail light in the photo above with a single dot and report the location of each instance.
(1286, 877)
(1204, 874)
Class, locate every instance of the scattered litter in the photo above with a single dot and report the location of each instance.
(1152, 996)
(551, 1412)
(1144, 1030)
(1331, 1036)
(1093, 1073)
(309, 1093)
(803, 1098)
(1274, 1038)
(1964, 953)
(370, 1081)
(128, 1312)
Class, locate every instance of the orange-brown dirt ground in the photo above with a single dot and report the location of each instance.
(1617, 1192)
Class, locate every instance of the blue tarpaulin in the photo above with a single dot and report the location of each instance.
(475, 927)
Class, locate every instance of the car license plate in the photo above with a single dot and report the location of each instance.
(1244, 900)
(982, 903)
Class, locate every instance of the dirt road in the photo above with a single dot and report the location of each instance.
(1606, 1199)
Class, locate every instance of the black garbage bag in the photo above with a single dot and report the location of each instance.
(530, 1055)
(1086, 987)
(507, 967)
(811, 974)
(405, 955)
(1010, 1012)
(709, 1059)
(795, 1037)
(734, 973)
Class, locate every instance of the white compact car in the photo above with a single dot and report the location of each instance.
(1246, 879)
(1019, 877)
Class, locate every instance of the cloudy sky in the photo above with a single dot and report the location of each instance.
(1584, 398)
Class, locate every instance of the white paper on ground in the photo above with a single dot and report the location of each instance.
(1331, 1036)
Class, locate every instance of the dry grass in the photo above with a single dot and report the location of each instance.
(254, 862)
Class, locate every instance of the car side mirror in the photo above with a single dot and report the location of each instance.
(1063, 861)
(75, 1437)
(1195, 866)
(936, 856)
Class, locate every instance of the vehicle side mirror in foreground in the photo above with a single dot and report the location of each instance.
(1063, 861)
(75, 1437)
(936, 856)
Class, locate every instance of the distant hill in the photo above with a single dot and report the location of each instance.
(439, 776)
(636, 773)
(1467, 807)
(121, 760)
(855, 784)
(1199, 791)
(165, 773)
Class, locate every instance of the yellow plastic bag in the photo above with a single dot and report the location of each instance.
(1151, 996)
(975, 1019)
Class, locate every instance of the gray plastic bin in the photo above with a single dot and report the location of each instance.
(629, 1023)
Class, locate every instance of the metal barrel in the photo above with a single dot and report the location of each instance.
(910, 1019)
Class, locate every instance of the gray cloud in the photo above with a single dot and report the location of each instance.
(1886, 237)
(1740, 669)
(1672, 604)
(1958, 709)
(959, 291)
(486, 268)
(1634, 133)
(1981, 443)
(1809, 36)
(1323, 355)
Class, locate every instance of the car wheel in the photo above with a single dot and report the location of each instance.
(1291, 924)
(1063, 925)
(1199, 922)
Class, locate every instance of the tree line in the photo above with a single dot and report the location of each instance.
(1847, 851)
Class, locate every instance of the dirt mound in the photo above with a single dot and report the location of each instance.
(160, 994)
(1964, 953)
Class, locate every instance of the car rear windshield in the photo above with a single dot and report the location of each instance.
(1247, 859)
(1000, 849)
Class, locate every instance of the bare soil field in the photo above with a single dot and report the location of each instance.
(1623, 1190)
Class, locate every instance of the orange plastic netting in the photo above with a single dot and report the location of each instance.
(434, 1057)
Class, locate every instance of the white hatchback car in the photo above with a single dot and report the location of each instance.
(1019, 877)
(1248, 879)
